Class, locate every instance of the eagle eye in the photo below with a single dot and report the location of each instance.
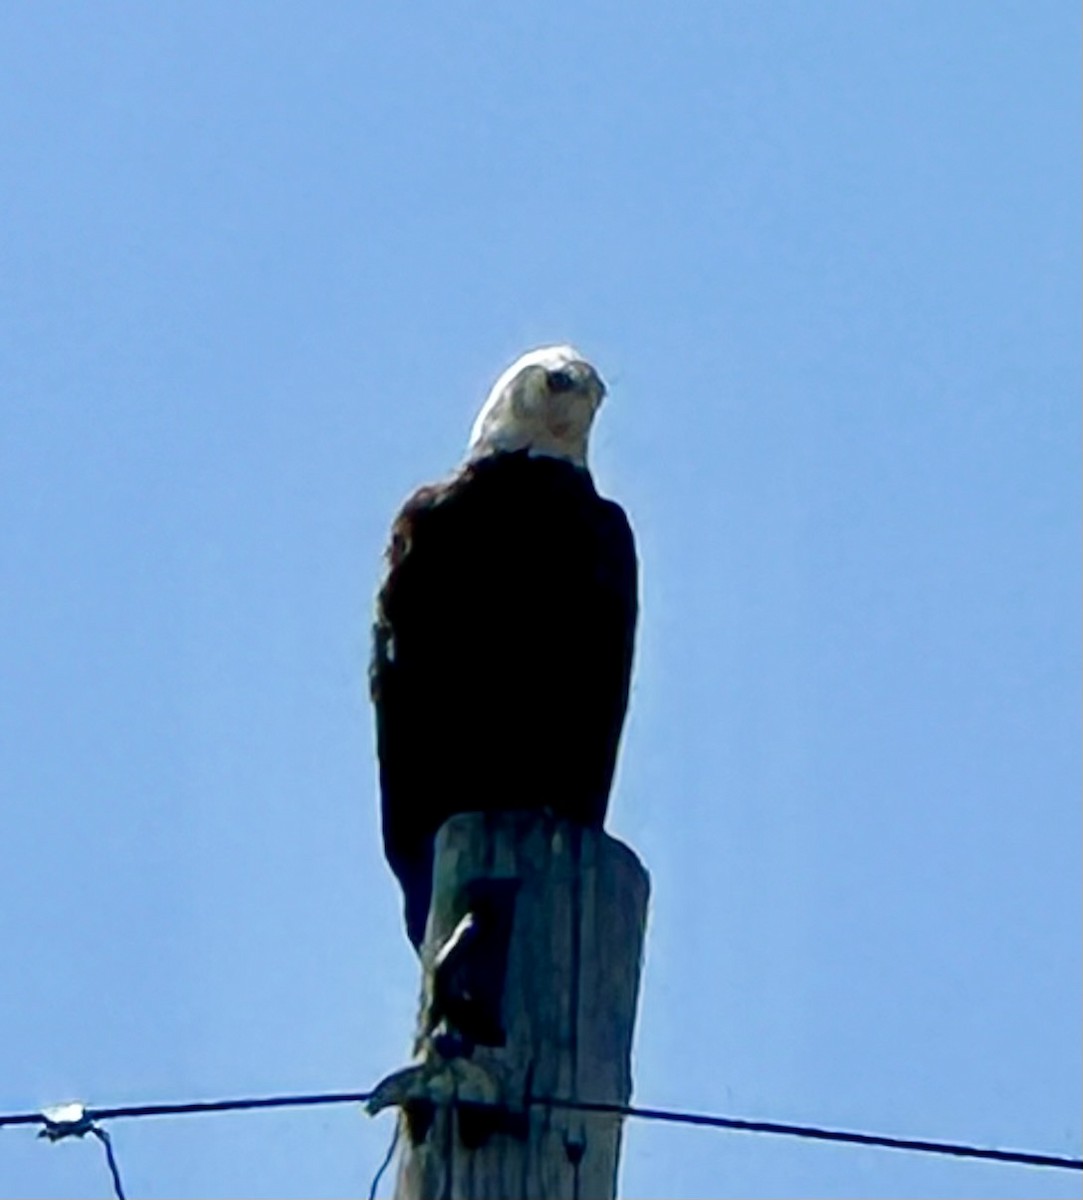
(560, 381)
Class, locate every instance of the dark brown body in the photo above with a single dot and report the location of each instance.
(502, 654)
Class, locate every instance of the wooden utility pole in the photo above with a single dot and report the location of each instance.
(531, 969)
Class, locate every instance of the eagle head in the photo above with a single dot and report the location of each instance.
(543, 403)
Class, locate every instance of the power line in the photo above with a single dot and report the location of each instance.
(884, 1141)
(387, 1161)
(73, 1120)
(188, 1107)
(111, 1159)
(636, 1112)
(214, 1106)
(194, 1106)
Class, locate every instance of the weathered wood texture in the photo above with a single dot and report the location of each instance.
(569, 1005)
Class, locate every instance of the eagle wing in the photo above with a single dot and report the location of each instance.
(502, 654)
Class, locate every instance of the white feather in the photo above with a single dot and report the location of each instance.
(522, 412)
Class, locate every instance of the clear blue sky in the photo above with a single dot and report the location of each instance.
(259, 263)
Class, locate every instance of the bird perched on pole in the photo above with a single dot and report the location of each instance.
(505, 624)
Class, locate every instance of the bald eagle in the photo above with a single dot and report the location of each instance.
(505, 623)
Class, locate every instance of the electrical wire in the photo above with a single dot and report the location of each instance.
(64, 1121)
(884, 1141)
(187, 1107)
(111, 1159)
(387, 1161)
(636, 1112)
(215, 1106)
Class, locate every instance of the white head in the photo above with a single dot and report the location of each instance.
(544, 403)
